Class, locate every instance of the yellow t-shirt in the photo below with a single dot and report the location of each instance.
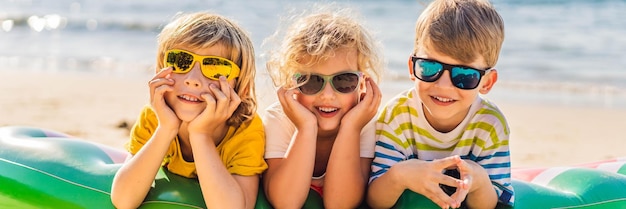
(241, 150)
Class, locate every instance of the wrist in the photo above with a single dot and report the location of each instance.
(397, 179)
(170, 132)
(197, 138)
(308, 129)
(480, 178)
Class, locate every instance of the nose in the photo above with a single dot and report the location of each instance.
(327, 92)
(444, 81)
(194, 78)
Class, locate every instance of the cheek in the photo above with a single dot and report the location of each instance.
(422, 85)
(305, 100)
(169, 97)
(470, 95)
(348, 100)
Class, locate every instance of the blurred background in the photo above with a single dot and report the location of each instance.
(568, 52)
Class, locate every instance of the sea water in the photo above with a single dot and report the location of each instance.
(570, 52)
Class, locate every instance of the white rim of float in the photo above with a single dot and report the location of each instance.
(593, 204)
(91, 188)
(55, 176)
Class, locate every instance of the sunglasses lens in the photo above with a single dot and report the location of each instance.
(428, 71)
(465, 78)
(213, 68)
(313, 84)
(345, 83)
(180, 60)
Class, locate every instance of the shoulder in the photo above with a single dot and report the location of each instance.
(400, 107)
(488, 124)
(253, 125)
(488, 112)
(275, 117)
(275, 110)
(147, 119)
(147, 111)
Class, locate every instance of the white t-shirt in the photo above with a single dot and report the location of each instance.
(279, 131)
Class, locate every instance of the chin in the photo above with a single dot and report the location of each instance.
(187, 116)
(327, 125)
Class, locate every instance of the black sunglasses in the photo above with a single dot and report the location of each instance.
(462, 77)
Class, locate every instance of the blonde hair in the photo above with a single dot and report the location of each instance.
(201, 29)
(314, 38)
(461, 29)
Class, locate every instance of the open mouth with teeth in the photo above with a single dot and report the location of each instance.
(327, 109)
(441, 99)
(189, 98)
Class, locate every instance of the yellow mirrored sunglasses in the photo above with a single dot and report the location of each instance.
(212, 66)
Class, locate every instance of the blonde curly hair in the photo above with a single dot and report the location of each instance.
(315, 37)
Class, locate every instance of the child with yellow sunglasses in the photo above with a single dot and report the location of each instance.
(201, 121)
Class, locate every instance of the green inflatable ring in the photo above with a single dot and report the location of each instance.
(46, 169)
(599, 185)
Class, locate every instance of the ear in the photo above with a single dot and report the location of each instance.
(488, 81)
(410, 68)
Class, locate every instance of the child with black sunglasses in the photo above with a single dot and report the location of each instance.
(201, 121)
(320, 135)
(440, 138)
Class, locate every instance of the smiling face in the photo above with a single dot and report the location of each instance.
(445, 106)
(185, 99)
(328, 105)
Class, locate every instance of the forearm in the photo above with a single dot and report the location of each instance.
(134, 179)
(385, 190)
(219, 187)
(291, 175)
(346, 176)
(482, 194)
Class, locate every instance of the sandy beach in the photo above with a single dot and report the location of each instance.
(101, 109)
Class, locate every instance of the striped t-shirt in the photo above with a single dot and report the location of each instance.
(402, 133)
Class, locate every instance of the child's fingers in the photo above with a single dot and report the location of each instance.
(285, 96)
(210, 103)
(440, 198)
(459, 196)
(375, 93)
(235, 100)
(157, 99)
(160, 91)
(465, 171)
(224, 86)
(163, 73)
(160, 79)
(221, 100)
(446, 163)
(449, 181)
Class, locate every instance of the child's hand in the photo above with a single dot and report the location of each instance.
(221, 103)
(365, 110)
(299, 115)
(465, 171)
(159, 84)
(424, 177)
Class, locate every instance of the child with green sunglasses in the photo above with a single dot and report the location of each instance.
(320, 135)
(441, 139)
(202, 121)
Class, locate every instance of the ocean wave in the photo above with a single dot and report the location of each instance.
(58, 22)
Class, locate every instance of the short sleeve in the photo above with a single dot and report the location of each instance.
(278, 131)
(243, 152)
(368, 139)
(142, 130)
